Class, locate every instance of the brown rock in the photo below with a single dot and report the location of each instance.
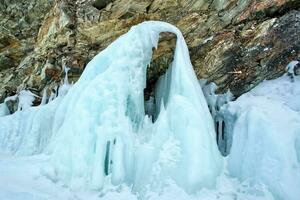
(235, 43)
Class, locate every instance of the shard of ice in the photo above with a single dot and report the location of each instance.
(98, 133)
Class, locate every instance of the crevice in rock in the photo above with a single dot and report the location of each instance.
(100, 4)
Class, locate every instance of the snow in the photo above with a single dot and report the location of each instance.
(21, 179)
(29, 130)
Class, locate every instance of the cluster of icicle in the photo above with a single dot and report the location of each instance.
(28, 131)
(224, 121)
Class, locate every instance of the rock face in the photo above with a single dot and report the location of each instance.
(235, 43)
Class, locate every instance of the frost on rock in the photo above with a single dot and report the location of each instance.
(98, 133)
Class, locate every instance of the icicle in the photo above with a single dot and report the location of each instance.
(216, 103)
(44, 97)
(65, 85)
(66, 70)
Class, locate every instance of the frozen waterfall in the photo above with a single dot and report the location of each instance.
(98, 133)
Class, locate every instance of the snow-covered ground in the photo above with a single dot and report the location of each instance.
(21, 179)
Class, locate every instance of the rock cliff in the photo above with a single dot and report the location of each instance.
(234, 43)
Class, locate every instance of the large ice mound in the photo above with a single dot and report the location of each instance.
(98, 133)
(266, 136)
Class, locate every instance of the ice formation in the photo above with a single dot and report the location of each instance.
(27, 132)
(118, 139)
(262, 131)
(266, 132)
(223, 121)
(25, 99)
(98, 134)
(291, 66)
